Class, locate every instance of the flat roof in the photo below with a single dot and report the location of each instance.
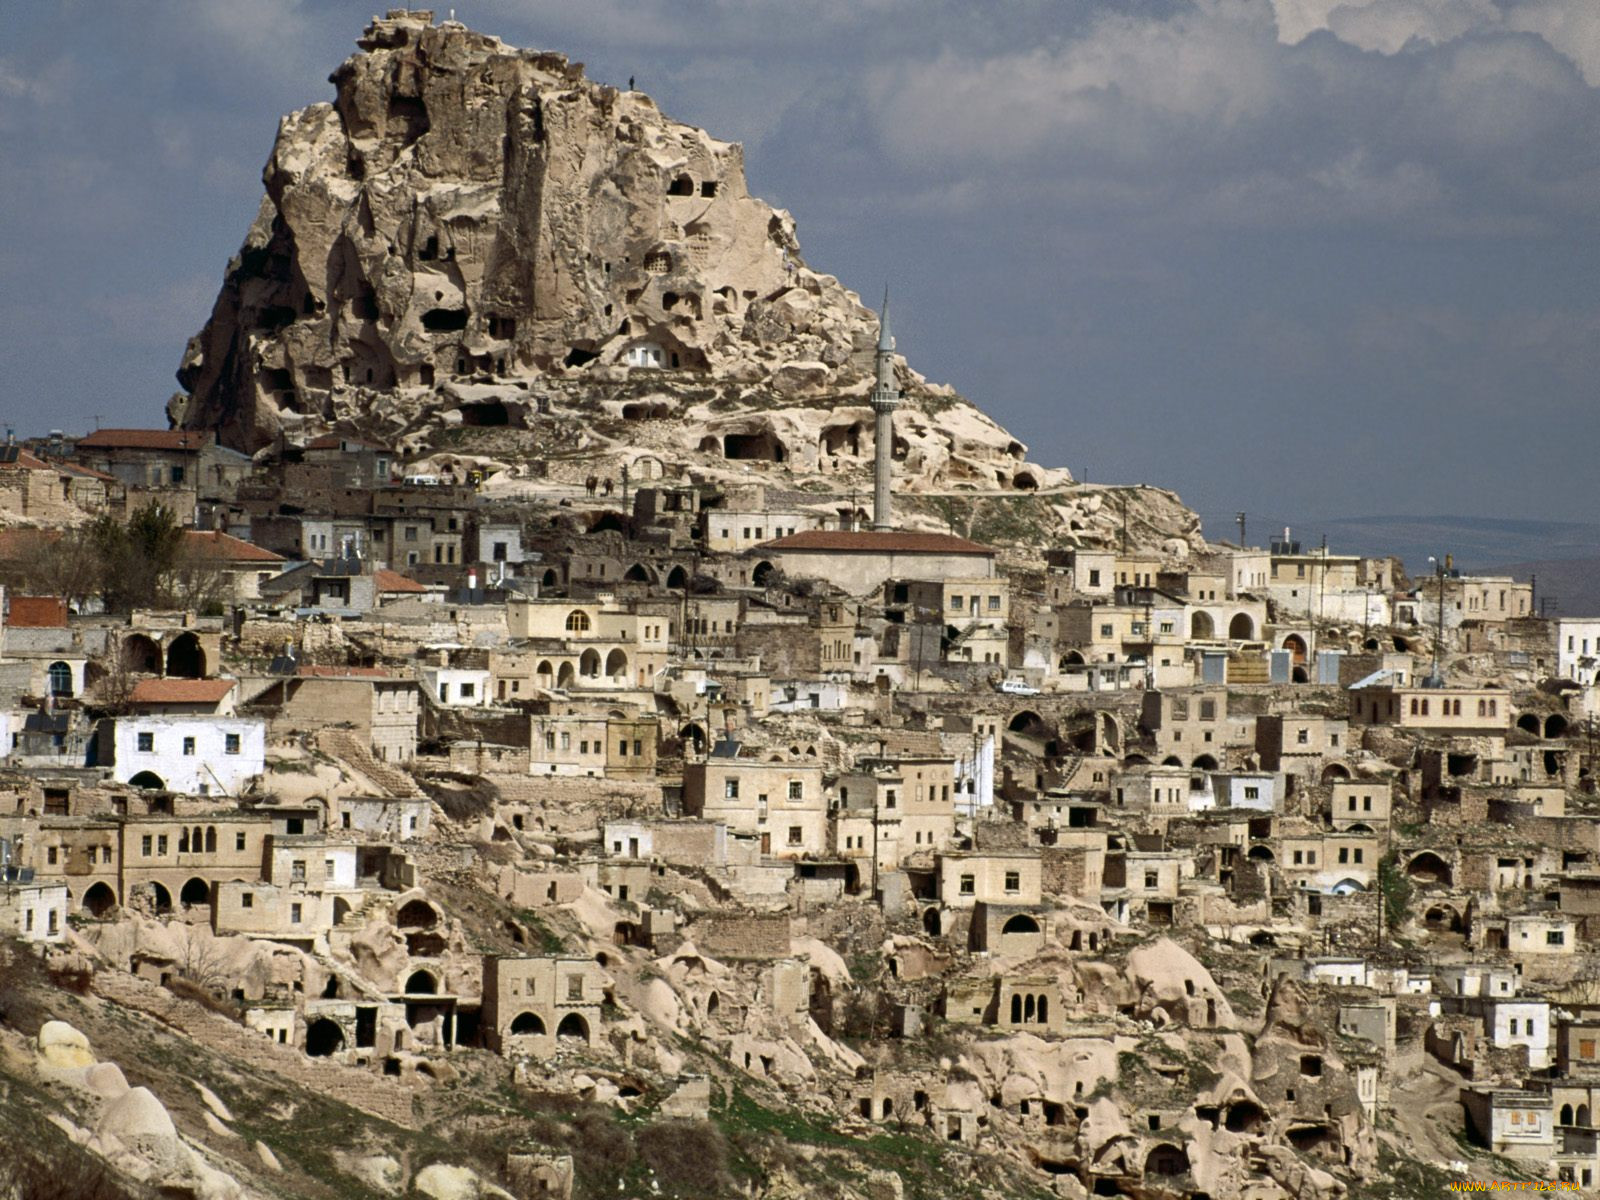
(873, 541)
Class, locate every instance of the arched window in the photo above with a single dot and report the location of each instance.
(60, 679)
(577, 621)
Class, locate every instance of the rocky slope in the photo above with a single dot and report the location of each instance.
(475, 235)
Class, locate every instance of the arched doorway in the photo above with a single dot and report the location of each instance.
(1428, 868)
(573, 1026)
(636, 574)
(1296, 646)
(527, 1024)
(589, 664)
(763, 573)
(1241, 628)
(1202, 627)
(565, 676)
(99, 900)
(617, 665)
(148, 780)
(930, 922)
(324, 1037)
(60, 675)
(195, 892)
(160, 897)
(141, 655)
(186, 658)
(1020, 923)
(1029, 724)
(421, 983)
(1166, 1159)
(677, 578)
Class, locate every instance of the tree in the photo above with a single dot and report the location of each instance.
(136, 557)
(65, 565)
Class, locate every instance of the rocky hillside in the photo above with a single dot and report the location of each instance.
(475, 242)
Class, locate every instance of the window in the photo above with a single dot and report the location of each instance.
(1555, 937)
(1252, 793)
(796, 835)
(730, 789)
(797, 789)
(889, 798)
(574, 987)
(1514, 1023)
(230, 743)
(247, 900)
(1302, 736)
(144, 846)
(968, 885)
(1585, 1047)
(239, 838)
(188, 746)
(468, 690)
(955, 603)
(1105, 630)
(1152, 880)
(994, 603)
(1358, 853)
(1013, 881)
(161, 843)
(577, 621)
(50, 856)
(1094, 578)
(297, 871)
(1208, 710)
(1344, 854)
(294, 914)
(146, 743)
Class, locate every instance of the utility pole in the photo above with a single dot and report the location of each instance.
(1240, 518)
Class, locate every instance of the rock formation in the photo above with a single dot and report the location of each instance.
(472, 234)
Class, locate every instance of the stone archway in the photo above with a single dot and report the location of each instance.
(186, 658)
(324, 1038)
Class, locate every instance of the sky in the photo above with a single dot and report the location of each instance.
(1294, 257)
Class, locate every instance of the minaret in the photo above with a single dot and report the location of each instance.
(885, 399)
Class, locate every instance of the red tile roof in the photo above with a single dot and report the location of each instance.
(18, 458)
(181, 691)
(872, 541)
(392, 581)
(213, 543)
(147, 439)
(37, 612)
(315, 672)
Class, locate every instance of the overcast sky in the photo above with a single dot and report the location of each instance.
(1299, 257)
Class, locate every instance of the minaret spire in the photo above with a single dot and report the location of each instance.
(884, 400)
